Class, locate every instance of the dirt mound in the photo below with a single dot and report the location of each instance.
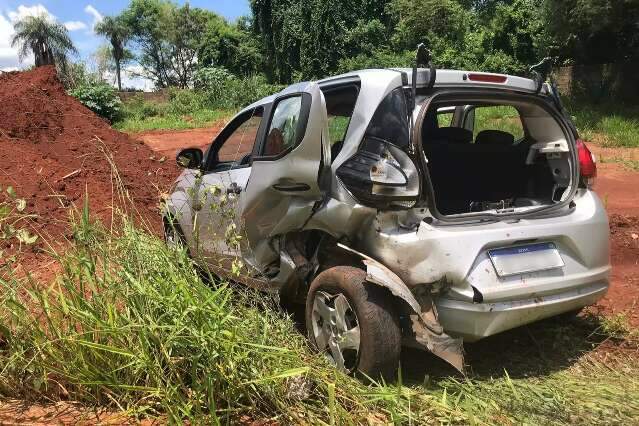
(53, 150)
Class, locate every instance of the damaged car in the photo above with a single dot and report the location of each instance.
(401, 207)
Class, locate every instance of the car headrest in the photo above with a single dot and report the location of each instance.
(453, 135)
(494, 137)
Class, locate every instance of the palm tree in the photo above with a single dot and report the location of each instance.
(48, 40)
(118, 33)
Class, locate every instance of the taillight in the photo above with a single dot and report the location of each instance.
(587, 163)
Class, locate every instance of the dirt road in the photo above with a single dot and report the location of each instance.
(617, 186)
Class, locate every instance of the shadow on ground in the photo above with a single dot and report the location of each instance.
(536, 349)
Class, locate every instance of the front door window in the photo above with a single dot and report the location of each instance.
(283, 133)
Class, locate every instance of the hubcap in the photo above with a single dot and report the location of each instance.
(336, 329)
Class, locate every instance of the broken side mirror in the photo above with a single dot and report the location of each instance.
(190, 158)
(381, 175)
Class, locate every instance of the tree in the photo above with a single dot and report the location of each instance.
(49, 41)
(307, 39)
(118, 34)
(231, 47)
(168, 39)
(593, 31)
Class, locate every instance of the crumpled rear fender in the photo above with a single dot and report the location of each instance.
(425, 328)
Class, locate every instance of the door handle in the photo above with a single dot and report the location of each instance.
(234, 188)
(291, 187)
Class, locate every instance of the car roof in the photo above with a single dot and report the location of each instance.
(444, 79)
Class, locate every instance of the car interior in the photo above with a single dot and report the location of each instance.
(490, 170)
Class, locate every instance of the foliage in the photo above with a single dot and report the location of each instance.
(76, 74)
(100, 98)
(179, 113)
(168, 38)
(129, 325)
(293, 40)
(608, 124)
(592, 31)
(118, 33)
(232, 47)
(307, 39)
(48, 40)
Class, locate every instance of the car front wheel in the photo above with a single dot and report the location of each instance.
(354, 323)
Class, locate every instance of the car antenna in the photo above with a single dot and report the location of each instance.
(541, 71)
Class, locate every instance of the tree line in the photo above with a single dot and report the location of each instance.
(290, 40)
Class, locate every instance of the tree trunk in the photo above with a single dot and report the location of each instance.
(117, 74)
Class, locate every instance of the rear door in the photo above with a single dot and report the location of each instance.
(286, 182)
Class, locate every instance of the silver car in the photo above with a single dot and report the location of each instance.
(401, 207)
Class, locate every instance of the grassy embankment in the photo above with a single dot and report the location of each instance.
(177, 114)
(127, 324)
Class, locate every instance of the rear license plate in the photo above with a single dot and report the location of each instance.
(523, 259)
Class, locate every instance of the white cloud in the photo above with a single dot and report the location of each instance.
(8, 54)
(24, 11)
(97, 16)
(75, 25)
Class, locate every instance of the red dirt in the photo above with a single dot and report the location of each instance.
(53, 150)
(618, 188)
(168, 143)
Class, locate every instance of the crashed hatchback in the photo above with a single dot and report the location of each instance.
(402, 208)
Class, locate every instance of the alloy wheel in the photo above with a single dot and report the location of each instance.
(336, 329)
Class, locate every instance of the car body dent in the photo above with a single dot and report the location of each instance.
(268, 211)
(425, 327)
(437, 269)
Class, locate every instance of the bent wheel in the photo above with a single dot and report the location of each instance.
(354, 323)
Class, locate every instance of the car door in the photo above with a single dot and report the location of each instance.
(216, 197)
(290, 176)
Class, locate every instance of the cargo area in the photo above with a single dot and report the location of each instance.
(502, 157)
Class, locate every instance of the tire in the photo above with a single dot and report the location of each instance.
(369, 311)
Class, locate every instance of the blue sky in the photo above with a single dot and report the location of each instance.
(79, 18)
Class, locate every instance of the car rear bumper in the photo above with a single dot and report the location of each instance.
(474, 321)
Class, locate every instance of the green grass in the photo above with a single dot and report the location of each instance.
(504, 118)
(609, 125)
(172, 121)
(128, 324)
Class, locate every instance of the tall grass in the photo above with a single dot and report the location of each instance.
(129, 325)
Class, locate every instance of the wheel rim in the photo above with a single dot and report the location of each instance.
(336, 329)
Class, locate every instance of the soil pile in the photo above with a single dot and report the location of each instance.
(53, 150)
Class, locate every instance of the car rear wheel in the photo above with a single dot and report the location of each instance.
(354, 323)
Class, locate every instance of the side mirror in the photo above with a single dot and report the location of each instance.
(190, 158)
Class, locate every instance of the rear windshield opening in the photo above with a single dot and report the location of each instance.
(495, 157)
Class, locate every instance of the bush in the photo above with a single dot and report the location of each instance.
(100, 98)
(185, 101)
(220, 89)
